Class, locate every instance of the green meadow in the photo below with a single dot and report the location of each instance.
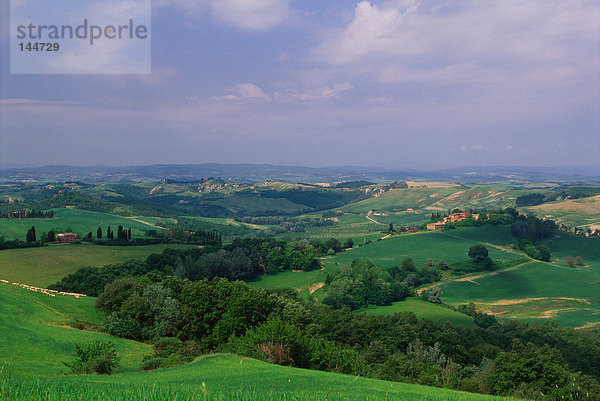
(35, 337)
(77, 221)
(423, 310)
(534, 290)
(46, 265)
(451, 246)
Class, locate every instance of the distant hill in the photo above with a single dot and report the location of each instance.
(253, 173)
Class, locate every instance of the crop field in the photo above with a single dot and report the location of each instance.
(450, 246)
(349, 225)
(423, 310)
(46, 265)
(583, 213)
(77, 221)
(35, 336)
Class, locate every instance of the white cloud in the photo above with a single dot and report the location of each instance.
(251, 14)
(243, 91)
(468, 148)
(472, 41)
(325, 92)
(246, 15)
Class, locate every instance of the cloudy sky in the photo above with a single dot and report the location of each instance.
(421, 84)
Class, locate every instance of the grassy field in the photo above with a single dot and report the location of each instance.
(77, 221)
(533, 290)
(48, 264)
(423, 310)
(582, 213)
(348, 225)
(451, 246)
(226, 377)
(35, 337)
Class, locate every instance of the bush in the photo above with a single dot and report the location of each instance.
(152, 364)
(97, 357)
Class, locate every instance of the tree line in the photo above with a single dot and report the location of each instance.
(27, 214)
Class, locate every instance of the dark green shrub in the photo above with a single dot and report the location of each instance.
(96, 357)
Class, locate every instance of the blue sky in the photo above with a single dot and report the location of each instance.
(423, 84)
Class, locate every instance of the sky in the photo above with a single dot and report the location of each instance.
(397, 84)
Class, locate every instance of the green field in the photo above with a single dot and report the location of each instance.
(423, 310)
(46, 265)
(35, 338)
(77, 221)
(347, 225)
(533, 290)
(451, 246)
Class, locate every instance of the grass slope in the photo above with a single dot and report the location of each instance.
(422, 309)
(46, 265)
(582, 213)
(77, 221)
(533, 290)
(451, 246)
(35, 337)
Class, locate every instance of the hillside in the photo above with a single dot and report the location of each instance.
(583, 213)
(35, 337)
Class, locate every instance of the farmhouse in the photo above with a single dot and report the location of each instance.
(451, 218)
(67, 237)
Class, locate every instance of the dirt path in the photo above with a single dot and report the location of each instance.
(368, 216)
(144, 222)
(469, 278)
(315, 287)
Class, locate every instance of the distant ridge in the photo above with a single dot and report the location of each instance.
(262, 172)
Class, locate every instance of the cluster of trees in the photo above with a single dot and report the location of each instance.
(514, 358)
(27, 214)
(529, 231)
(122, 234)
(362, 283)
(243, 259)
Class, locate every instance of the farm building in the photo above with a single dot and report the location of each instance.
(67, 237)
(451, 218)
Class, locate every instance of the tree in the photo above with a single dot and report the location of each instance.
(51, 236)
(570, 261)
(30, 236)
(129, 233)
(349, 243)
(579, 261)
(478, 253)
(120, 232)
(391, 228)
(99, 233)
(409, 265)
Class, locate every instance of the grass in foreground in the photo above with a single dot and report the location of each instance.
(224, 377)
